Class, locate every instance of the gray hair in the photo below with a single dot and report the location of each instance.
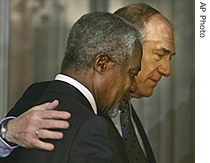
(96, 33)
(138, 15)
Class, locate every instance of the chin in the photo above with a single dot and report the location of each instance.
(148, 94)
(141, 94)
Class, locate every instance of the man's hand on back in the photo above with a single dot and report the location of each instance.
(26, 129)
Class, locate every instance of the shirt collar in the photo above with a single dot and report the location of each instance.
(80, 87)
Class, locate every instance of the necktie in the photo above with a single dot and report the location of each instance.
(147, 146)
(134, 150)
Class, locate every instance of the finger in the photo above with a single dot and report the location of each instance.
(47, 106)
(54, 114)
(49, 134)
(42, 106)
(36, 143)
(52, 123)
(52, 105)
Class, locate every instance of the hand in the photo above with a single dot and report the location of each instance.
(26, 129)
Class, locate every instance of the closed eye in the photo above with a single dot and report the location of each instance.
(159, 56)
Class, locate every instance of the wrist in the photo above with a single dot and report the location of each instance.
(3, 129)
(8, 136)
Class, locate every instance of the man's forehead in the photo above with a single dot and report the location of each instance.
(158, 28)
(164, 44)
(156, 33)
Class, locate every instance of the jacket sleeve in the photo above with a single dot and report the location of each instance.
(32, 94)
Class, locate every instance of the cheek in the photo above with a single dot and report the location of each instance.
(124, 83)
(139, 78)
(116, 92)
(147, 60)
(148, 66)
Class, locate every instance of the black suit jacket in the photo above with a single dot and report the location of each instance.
(34, 93)
(90, 138)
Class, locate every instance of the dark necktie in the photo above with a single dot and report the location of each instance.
(134, 150)
(147, 146)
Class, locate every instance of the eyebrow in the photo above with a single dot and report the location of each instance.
(164, 49)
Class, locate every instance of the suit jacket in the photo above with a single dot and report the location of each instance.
(90, 138)
(30, 97)
(34, 93)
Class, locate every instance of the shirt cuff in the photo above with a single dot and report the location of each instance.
(5, 148)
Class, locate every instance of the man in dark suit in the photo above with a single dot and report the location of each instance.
(158, 48)
(102, 58)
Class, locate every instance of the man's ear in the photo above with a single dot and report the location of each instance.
(101, 62)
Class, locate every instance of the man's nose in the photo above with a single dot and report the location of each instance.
(165, 68)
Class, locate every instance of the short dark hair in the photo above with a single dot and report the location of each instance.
(99, 32)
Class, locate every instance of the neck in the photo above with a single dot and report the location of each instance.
(85, 77)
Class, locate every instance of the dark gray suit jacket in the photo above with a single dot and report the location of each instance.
(90, 138)
(34, 93)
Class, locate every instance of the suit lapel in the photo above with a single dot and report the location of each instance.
(145, 140)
